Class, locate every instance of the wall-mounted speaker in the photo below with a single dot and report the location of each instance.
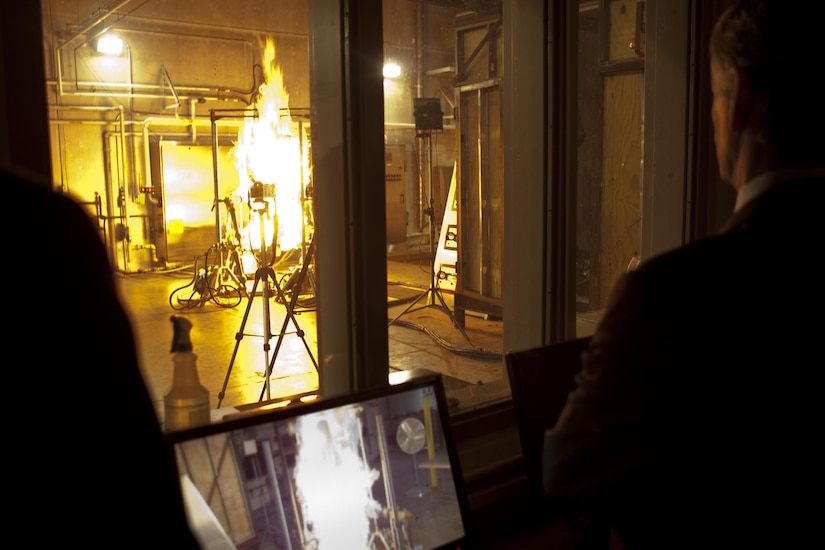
(427, 113)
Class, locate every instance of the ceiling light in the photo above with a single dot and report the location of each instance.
(110, 45)
(392, 70)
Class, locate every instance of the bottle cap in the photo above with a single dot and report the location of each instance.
(180, 339)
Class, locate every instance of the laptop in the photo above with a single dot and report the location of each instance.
(375, 469)
(540, 380)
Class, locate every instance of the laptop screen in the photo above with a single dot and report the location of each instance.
(375, 469)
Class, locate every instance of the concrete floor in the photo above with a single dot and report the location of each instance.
(233, 370)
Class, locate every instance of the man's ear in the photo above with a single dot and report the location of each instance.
(741, 100)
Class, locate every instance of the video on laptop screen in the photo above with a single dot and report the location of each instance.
(373, 470)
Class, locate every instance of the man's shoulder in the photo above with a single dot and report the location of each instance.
(699, 254)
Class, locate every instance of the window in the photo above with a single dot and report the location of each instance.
(512, 179)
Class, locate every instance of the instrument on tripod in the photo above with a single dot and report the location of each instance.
(428, 117)
(265, 276)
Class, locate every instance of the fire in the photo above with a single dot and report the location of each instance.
(334, 480)
(269, 152)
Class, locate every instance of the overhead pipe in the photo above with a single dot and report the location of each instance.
(152, 91)
(147, 91)
(63, 107)
(79, 122)
(103, 14)
(176, 25)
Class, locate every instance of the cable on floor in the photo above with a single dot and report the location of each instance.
(472, 353)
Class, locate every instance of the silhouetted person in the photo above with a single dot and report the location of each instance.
(84, 449)
(696, 420)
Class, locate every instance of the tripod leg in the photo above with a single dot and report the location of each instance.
(265, 273)
(409, 307)
(290, 315)
(281, 335)
(451, 316)
(238, 337)
(294, 302)
(302, 276)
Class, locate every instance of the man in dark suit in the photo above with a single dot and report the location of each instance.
(696, 418)
(85, 453)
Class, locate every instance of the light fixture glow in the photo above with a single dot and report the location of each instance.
(392, 70)
(110, 45)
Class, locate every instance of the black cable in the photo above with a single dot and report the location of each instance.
(474, 353)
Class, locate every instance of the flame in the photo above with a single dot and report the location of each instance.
(268, 151)
(334, 480)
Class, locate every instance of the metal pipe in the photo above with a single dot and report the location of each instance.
(216, 186)
(242, 31)
(193, 114)
(216, 95)
(422, 174)
(199, 92)
(61, 107)
(110, 233)
(386, 474)
(411, 125)
(64, 122)
(273, 477)
(104, 13)
(419, 47)
(127, 255)
(168, 78)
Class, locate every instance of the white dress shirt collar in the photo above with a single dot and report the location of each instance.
(768, 180)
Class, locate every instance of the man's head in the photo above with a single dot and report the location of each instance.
(768, 106)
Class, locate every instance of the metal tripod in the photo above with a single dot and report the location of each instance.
(433, 293)
(265, 274)
(290, 308)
